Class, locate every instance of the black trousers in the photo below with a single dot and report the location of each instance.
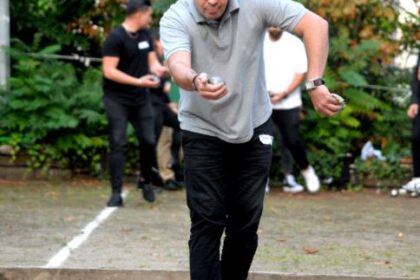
(164, 116)
(287, 122)
(225, 191)
(141, 118)
(415, 145)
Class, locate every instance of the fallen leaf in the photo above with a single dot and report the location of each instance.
(310, 250)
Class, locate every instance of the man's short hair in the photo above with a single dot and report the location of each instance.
(134, 6)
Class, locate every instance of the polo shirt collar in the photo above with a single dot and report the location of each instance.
(233, 5)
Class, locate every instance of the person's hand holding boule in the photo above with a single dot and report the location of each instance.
(160, 70)
(149, 81)
(208, 90)
(323, 102)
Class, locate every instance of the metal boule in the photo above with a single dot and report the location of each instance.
(339, 99)
(155, 79)
(216, 80)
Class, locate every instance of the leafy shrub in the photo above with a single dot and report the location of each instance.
(362, 49)
(49, 114)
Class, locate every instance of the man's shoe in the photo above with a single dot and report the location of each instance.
(115, 200)
(291, 186)
(148, 193)
(294, 189)
(311, 180)
(155, 178)
(413, 185)
(172, 185)
(176, 168)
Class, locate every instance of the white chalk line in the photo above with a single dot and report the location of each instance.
(58, 259)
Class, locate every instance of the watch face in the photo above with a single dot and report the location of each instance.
(309, 85)
(313, 84)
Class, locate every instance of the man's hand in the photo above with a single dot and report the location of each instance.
(155, 66)
(324, 103)
(148, 81)
(412, 111)
(159, 70)
(209, 91)
(276, 97)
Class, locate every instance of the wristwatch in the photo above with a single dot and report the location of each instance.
(310, 85)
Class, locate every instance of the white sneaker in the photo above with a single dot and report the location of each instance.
(413, 185)
(311, 180)
(292, 185)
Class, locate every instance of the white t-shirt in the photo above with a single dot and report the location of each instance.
(283, 59)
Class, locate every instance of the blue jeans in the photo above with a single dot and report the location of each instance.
(225, 191)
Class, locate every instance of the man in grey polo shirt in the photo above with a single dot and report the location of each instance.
(227, 131)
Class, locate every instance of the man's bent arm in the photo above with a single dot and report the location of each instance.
(111, 72)
(314, 31)
(297, 81)
(179, 65)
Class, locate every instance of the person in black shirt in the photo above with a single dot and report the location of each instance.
(128, 60)
(413, 113)
(163, 113)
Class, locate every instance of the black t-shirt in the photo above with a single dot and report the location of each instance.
(415, 84)
(158, 95)
(133, 50)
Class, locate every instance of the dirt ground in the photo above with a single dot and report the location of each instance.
(332, 233)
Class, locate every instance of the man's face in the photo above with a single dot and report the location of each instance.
(212, 9)
(275, 33)
(143, 18)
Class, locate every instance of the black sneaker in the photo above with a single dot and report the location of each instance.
(115, 200)
(148, 193)
(155, 178)
(172, 185)
(176, 168)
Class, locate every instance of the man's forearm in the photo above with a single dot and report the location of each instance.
(296, 82)
(314, 31)
(121, 78)
(183, 75)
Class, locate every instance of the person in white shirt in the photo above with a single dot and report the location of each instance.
(285, 68)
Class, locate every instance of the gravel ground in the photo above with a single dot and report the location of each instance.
(348, 233)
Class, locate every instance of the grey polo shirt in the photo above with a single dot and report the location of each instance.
(232, 49)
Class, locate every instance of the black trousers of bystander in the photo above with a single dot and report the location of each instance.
(141, 118)
(288, 123)
(415, 145)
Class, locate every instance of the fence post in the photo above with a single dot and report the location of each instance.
(4, 42)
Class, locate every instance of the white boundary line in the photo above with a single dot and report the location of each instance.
(58, 259)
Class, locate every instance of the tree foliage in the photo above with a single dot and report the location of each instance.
(53, 107)
(48, 112)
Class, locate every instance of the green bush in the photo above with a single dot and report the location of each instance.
(362, 49)
(53, 110)
(50, 114)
